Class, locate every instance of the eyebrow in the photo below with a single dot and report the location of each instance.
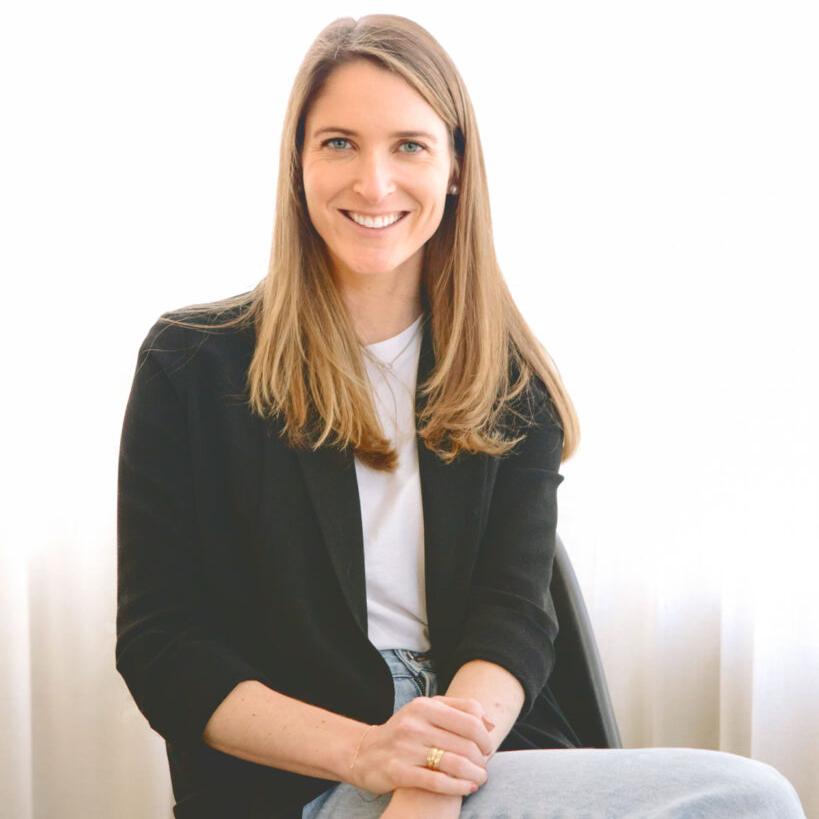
(348, 132)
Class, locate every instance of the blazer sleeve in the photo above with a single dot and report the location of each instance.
(511, 618)
(169, 654)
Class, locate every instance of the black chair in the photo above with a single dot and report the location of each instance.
(578, 681)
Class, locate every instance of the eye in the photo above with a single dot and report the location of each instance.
(334, 139)
(405, 142)
(408, 142)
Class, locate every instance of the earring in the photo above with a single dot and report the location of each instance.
(453, 189)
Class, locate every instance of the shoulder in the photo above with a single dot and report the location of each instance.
(531, 418)
(192, 338)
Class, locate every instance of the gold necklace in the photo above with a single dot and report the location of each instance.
(386, 368)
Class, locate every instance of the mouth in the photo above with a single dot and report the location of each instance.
(373, 231)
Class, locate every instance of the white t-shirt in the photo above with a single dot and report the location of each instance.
(391, 507)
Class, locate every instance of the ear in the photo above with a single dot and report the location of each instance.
(455, 173)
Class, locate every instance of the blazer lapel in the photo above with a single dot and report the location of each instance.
(453, 506)
(333, 487)
(454, 503)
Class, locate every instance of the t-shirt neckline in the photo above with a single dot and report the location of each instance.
(388, 348)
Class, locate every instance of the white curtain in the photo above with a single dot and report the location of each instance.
(653, 175)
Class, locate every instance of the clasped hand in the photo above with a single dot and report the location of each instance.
(394, 755)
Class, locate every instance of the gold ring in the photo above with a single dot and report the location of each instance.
(433, 758)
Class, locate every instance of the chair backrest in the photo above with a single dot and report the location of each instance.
(578, 680)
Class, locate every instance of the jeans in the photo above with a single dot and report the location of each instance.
(586, 783)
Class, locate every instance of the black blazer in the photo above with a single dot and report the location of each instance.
(242, 558)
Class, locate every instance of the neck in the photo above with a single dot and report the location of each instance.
(384, 320)
(381, 305)
(383, 331)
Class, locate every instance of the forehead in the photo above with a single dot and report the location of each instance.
(366, 100)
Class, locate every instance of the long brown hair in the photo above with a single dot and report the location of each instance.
(307, 361)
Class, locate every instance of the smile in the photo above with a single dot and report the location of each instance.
(370, 224)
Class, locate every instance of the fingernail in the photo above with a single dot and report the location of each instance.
(473, 788)
(489, 724)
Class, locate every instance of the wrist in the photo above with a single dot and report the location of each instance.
(347, 768)
(419, 798)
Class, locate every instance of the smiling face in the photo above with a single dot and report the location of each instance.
(372, 145)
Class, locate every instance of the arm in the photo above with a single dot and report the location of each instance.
(167, 649)
(499, 692)
(506, 653)
(189, 683)
(511, 620)
(261, 725)
(501, 695)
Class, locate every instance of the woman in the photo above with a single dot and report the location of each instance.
(377, 401)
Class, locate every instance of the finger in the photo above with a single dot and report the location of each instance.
(438, 782)
(460, 759)
(455, 743)
(463, 723)
(471, 706)
(468, 704)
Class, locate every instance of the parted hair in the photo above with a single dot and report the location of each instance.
(307, 368)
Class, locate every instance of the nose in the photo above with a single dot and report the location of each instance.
(374, 177)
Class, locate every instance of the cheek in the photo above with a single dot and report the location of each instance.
(321, 193)
(437, 207)
(316, 200)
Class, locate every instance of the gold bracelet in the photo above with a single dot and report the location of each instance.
(359, 745)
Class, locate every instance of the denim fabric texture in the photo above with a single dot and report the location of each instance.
(587, 783)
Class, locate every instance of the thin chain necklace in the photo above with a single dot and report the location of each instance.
(386, 368)
(389, 365)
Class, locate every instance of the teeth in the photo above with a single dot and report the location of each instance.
(377, 222)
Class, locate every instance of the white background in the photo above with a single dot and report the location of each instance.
(654, 179)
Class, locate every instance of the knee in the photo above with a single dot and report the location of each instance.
(759, 788)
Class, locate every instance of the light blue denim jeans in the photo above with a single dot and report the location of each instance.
(586, 783)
